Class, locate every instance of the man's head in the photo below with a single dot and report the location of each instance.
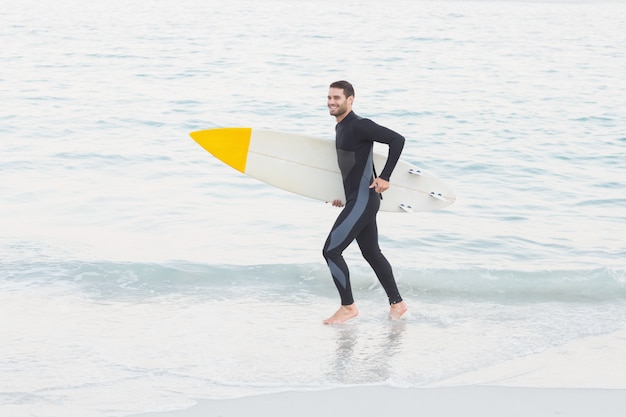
(348, 89)
(340, 98)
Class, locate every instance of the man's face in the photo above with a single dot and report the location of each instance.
(338, 104)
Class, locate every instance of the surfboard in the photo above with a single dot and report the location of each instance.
(307, 166)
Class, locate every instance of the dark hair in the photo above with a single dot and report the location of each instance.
(347, 88)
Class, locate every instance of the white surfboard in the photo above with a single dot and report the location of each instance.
(308, 166)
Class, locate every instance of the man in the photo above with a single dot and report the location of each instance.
(355, 137)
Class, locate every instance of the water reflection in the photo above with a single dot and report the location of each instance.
(365, 353)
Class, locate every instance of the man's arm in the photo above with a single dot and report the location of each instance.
(394, 140)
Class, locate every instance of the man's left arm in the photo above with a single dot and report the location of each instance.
(394, 140)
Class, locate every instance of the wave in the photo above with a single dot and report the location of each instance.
(137, 279)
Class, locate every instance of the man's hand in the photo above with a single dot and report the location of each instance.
(336, 203)
(379, 185)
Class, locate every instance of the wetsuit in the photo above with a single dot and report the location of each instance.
(355, 137)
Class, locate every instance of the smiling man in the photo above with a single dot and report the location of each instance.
(355, 137)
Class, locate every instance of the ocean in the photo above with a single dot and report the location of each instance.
(138, 273)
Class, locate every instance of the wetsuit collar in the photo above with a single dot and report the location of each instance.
(348, 116)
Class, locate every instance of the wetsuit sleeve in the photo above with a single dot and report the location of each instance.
(376, 133)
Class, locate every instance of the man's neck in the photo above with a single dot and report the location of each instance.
(343, 116)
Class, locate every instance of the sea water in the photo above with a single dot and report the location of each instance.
(138, 273)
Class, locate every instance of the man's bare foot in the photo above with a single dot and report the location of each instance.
(397, 310)
(344, 313)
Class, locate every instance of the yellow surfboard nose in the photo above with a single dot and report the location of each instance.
(229, 145)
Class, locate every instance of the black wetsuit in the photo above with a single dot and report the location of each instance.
(355, 137)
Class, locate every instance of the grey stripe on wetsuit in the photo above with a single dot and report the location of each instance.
(341, 232)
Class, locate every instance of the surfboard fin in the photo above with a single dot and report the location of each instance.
(407, 208)
(438, 196)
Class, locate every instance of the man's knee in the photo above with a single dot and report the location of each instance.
(372, 255)
(330, 253)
